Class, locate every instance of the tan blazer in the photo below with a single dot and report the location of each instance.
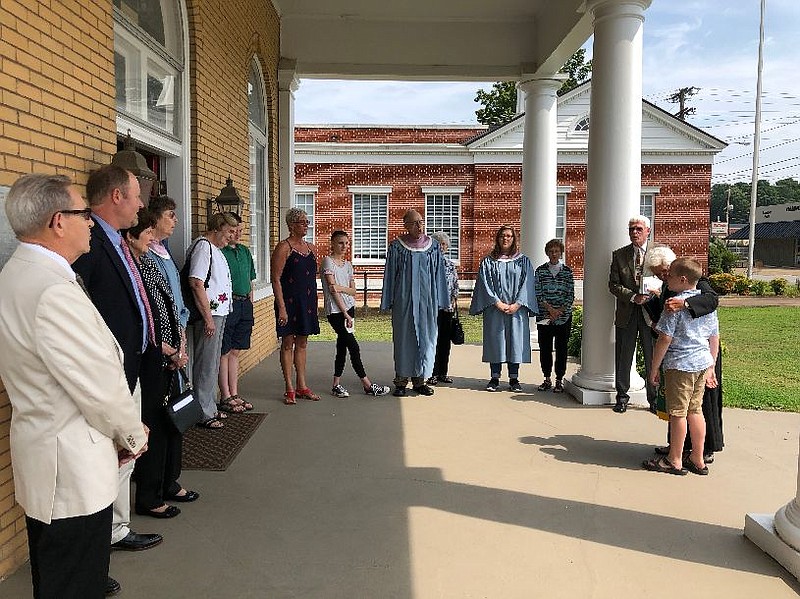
(622, 283)
(70, 401)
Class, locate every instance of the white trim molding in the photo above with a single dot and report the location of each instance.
(564, 189)
(651, 189)
(369, 189)
(306, 188)
(432, 190)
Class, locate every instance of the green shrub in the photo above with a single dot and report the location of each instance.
(720, 258)
(760, 288)
(741, 285)
(779, 286)
(575, 333)
(722, 283)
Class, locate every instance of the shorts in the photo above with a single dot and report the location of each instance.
(684, 392)
(238, 326)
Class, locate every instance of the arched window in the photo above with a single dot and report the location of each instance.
(259, 175)
(582, 126)
(148, 62)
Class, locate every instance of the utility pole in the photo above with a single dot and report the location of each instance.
(680, 97)
(756, 146)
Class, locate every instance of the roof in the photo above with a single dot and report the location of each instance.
(779, 230)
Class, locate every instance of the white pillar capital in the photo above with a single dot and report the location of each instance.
(287, 75)
(532, 84)
(602, 9)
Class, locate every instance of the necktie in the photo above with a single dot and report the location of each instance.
(79, 280)
(638, 264)
(126, 251)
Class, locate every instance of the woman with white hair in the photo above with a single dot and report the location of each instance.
(294, 280)
(657, 261)
(444, 321)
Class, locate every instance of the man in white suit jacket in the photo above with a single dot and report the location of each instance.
(73, 419)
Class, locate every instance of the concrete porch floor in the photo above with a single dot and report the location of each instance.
(466, 494)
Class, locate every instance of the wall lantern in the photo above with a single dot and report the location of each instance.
(228, 200)
(132, 161)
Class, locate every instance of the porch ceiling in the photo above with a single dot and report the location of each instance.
(430, 39)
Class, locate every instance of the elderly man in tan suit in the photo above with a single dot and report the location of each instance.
(73, 421)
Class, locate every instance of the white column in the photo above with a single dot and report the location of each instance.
(614, 181)
(287, 85)
(539, 166)
(779, 535)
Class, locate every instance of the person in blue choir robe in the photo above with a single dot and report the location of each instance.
(415, 289)
(504, 293)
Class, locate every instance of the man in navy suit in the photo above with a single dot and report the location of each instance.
(114, 197)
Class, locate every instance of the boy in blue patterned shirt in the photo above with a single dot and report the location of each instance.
(687, 349)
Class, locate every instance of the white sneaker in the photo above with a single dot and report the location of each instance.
(377, 390)
(340, 392)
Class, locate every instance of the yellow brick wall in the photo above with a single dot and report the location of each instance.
(57, 115)
(224, 38)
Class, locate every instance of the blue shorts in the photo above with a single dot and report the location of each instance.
(238, 326)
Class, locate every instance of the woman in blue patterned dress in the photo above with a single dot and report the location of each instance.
(555, 292)
(294, 281)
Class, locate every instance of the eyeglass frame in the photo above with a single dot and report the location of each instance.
(85, 212)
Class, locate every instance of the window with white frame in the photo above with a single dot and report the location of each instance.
(370, 224)
(647, 206)
(148, 62)
(304, 199)
(561, 216)
(582, 126)
(259, 179)
(443, 213)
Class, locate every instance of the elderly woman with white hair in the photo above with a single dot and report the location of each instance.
(444, 321)
(657, 261)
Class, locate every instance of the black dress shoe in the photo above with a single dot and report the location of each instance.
(112, 587)
(399, 391)
(188, 498)
(170, 512)
(424, 390)
(138, 542)
(620, 407)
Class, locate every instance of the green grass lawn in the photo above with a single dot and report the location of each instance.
(760, 359)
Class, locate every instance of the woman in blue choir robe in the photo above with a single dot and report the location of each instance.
(504, 293)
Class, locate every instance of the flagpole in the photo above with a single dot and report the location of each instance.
(756, 145)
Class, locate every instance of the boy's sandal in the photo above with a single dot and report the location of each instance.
(662, 464)
(306, 394)
(220, 415)
(212, 423)
(242, 402)
(231, 406)
(288, 398)
(695, 469)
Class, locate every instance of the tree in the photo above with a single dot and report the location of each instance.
(500, 103)
(782, 192)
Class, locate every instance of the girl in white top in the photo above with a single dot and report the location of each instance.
(339, 290)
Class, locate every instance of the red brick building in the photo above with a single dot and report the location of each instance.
(467, 181)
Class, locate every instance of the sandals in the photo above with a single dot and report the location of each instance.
(288, 398)
(231, 406)
(212, 423)
(306, 394)
(695, 469)
(662, 464)
(242, 402)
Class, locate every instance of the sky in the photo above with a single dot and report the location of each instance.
(708, 44)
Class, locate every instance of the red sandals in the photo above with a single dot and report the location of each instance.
(307, 394)
(288, 398)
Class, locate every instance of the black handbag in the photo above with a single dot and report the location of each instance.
(456, 329)
(183, 407)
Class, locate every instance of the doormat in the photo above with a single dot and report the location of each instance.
(208, 449)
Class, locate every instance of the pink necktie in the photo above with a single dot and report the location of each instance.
(126, 251)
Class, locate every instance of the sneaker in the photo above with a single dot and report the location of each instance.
(340, 392)
(559, 388)
(377, 390)
(493, 384)
(514, 385)
(432, 381)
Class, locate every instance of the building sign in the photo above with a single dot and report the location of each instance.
(719, 229)
(8, 242)
(778, 213)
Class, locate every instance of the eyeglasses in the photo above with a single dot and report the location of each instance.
(632, 229)
(301, 222)
(85, 212)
